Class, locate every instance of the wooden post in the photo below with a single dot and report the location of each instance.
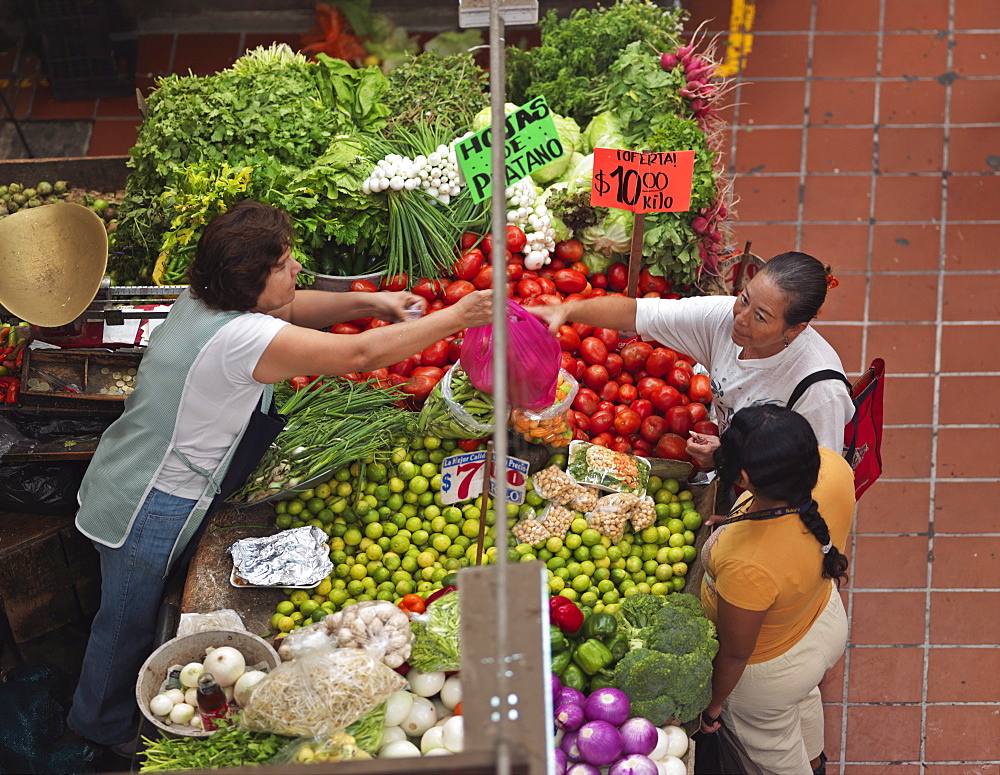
(635, 254)
(484, 502)
(741, 268)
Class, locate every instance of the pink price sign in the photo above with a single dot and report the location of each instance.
(642, 181)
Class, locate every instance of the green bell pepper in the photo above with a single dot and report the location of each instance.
(557, 640)
(600, 625)
(618, 645)
(591, 656)
(601, 680)
(561, 660)
(574, 678)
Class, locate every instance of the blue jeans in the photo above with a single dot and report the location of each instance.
(122, 634)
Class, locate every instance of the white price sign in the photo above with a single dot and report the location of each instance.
(462, 478)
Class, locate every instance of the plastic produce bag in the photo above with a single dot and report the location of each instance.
(529, 530)
(611, 514)
(556, 520)
(41, 488)
(319, 693)
(643, 513)
(377, 626)
(607, 469)
(338, 747)
(437, 634)
(533, 359)
(455, 409)
(549, 425)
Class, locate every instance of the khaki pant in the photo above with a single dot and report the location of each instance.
(776, 710)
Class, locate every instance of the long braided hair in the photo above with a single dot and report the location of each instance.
(778, 450)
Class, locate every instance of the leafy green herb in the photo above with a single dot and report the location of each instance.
(229, 746)
(443, 92)
(570, 66)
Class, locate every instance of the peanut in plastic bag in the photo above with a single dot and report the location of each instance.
(377, 626)
(584, 498)
(610, 515)
(556, 519)
(643, 513)
(554, 484)
(319, 693)
(529, 530)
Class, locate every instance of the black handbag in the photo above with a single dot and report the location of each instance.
(722, 753)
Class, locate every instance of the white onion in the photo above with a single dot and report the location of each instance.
(197, 721)
(453, 736)
(397, 708)
(226, 664)
(175, 695)
(451, 692)
(431, 739)
(671, 765)
(442, 710)
(244, 685)
(420, 718)
(660, 750)
(392, 734)
(190, 673)
(677, 741)
(400, 749)
(191, 697)
(161, 705)
(438, 752)
(181, 713)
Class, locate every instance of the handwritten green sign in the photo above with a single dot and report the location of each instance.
(531, 141)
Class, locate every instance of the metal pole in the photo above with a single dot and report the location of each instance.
(498, 201)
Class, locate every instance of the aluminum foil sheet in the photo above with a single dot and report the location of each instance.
(292, 558)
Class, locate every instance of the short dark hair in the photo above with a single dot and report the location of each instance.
(802, 279)
(236, 254)
(778, 449)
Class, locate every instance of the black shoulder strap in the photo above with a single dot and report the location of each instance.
(812, 379)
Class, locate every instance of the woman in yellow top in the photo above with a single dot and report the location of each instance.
(771, 576)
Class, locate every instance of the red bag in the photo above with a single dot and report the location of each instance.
(533, 359)
(863, 434)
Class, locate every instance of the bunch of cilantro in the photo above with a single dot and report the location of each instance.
(571, 65)
(272, 111)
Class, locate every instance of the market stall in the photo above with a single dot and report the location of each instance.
(382, 479)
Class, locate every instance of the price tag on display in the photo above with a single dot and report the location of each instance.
(643, 182)
(462, 478)
(531, 141)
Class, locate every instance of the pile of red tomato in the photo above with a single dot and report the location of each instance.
(634, 396)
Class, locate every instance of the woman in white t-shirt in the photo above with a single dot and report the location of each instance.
(757, 346)
(241, 326)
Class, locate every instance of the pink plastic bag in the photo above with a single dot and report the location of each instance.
(533, 359)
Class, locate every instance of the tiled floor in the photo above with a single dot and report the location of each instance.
(867, 133)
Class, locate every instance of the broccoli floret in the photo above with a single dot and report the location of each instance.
(638, 611)
(661, 686)
(689, 603)
(673, 631)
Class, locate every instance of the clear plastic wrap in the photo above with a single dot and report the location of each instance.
(549, 425)
(556, 519)
(584, 498)
(319, 693)
(437, 636)
(377, 626)
(223, 619)
(455, 409)
(607, 469)
(529, 530)
(554, 484)
(338, 747)
(643, 513)
(610, 515)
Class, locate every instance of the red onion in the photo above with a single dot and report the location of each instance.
(634, 764)
(599, 743)
(638, 736)
(569, 716)
(556, 687)
(582, 768)
(569, 695)
(570, 747)
(608, 704)
(559, 757)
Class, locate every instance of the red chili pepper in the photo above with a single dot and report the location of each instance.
(12, 392)
(565, 614)
(440, 593)
(412, 604)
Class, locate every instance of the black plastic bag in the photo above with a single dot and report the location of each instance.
(722, 753)
(41, 488)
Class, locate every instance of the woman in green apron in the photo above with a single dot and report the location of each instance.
(200, 410)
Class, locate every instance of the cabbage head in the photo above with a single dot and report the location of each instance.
(596, 262)
(574, 160)
(580, 179)
(485, 116)
(569, 136)
(612, 234)
(604, 131)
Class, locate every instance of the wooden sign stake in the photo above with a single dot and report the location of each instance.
(483, 502)
(635, 254)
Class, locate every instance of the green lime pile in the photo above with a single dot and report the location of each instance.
(391, 535)
(587, 568)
